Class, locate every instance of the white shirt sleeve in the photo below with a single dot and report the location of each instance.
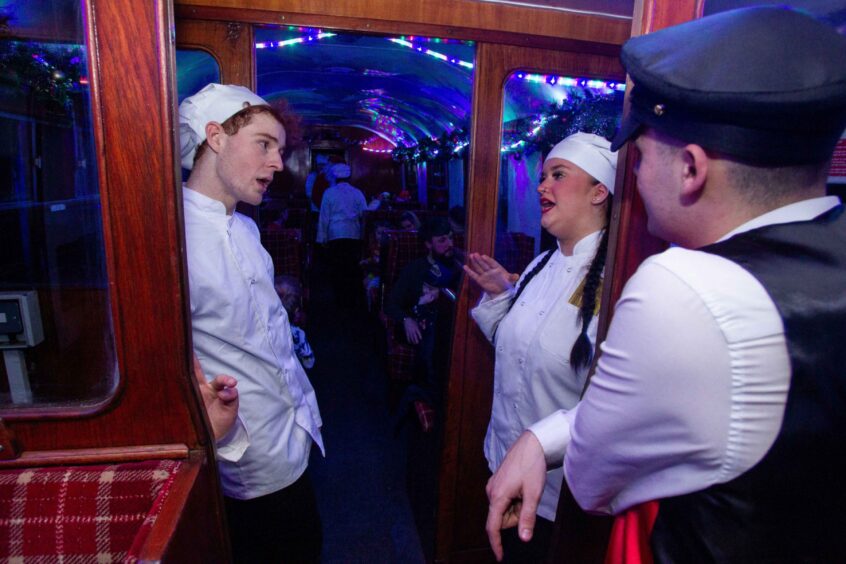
(231, 447)
(490, 311)
(553, 433)
(690, 388)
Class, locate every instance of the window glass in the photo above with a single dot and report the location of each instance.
(55, 321)
(541, 110)
(194, 69)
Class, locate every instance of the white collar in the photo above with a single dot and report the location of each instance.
(585, 245)
(804, 210)
(205, 204)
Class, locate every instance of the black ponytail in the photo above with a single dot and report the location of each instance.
(525, 282)
(529, 275)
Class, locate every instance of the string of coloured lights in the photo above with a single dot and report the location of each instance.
(304, 39)
(593, 84)
(317, 34)
(430, 52)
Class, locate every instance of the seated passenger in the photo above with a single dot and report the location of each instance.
(291, 293)
(415, 300)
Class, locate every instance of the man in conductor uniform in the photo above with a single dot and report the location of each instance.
(716, 421)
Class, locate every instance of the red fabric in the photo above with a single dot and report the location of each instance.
(629, 543)
(79, 514)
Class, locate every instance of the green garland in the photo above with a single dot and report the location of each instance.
(51, 76)
(588, 112)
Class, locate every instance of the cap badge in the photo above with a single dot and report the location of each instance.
(659, 109)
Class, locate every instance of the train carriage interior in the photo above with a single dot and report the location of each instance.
(442, 112)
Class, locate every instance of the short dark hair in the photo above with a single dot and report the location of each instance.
(290, 292)
(433, 227)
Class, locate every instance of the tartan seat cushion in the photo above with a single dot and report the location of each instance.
(81, 514)
(286, 248)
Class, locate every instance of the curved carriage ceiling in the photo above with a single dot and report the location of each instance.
(401, 89)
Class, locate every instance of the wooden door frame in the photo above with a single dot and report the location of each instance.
(501, 49)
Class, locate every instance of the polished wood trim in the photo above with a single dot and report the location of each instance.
(171, 512)
(579, 537)
(460, 19)
(636, 244)
(111, 455)
(229, 42)
(462, 503)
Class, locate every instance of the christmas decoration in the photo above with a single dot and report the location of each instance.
(50, 73)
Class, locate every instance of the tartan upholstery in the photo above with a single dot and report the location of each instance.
(400, 354)
(81, 514)
(514, 251)
(287, 250)
(401, 247)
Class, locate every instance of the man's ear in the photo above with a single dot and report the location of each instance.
(694, 172)
(214, 135)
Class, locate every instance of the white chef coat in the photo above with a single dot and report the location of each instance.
(240, 328)
(340, 213)
(532, 375)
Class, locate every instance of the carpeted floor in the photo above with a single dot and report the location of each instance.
(361, 484)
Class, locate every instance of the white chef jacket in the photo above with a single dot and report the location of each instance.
(240, 328)
(532, 375)
(340, 213)
(691, 386)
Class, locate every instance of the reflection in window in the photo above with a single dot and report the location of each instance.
(541, 110)
(194, 69)
(52, 266)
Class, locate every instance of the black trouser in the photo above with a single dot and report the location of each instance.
(344, 258)
(280, 527)
(536, 550)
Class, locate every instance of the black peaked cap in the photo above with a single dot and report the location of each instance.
(766, 85)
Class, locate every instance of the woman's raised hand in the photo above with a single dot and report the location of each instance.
(489, 274)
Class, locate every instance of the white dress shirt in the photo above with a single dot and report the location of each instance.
(340, 213)
(532, 375)
(691, 386)
(240, 328)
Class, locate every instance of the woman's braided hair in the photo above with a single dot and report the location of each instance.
(581, 355)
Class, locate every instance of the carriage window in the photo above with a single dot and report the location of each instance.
(55, 322)
(194, 69)
(388, 115)
(541, 110)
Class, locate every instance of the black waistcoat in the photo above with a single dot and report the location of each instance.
(791, 506)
